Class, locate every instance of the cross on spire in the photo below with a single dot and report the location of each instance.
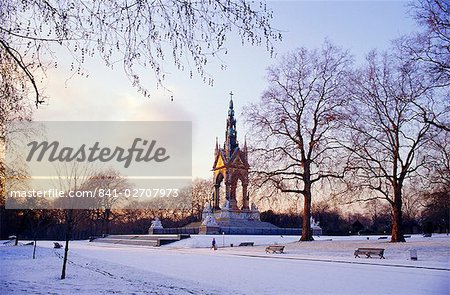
(231, 99)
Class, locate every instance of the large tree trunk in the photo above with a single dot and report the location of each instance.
(397, 219)
(306, 226)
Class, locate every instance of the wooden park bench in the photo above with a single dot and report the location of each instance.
(245, 244)
(57, 245)
(274, 249)
(369, 252)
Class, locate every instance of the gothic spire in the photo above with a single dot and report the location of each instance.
(231, 134)
(216, 151)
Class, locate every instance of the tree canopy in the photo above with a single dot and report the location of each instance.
(135, 34)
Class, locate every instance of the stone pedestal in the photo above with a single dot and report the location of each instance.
(209, 225)
(229, 214)
(234, 221)
(209, 230)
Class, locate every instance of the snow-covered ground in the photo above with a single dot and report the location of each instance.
(325, 266)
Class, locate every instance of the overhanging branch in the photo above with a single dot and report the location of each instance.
(17, 57)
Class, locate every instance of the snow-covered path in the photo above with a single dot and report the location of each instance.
(19, 274)
(276, 275)
(319, 267)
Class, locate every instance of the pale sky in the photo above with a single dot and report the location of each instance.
(107, 95)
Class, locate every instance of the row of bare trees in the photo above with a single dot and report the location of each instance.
(75, 218)
(362, 132)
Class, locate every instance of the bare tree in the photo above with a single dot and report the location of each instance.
(40, 220)
(136, 34)
(431, 47)
(436, 214)
(14, 107)
(436, 196)
(70, 179)
(109, 186)
(201, 194)
(439, 163)
(295, 124)
(389, 133)
(432, 44)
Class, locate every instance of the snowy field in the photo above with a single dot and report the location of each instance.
(325, 266)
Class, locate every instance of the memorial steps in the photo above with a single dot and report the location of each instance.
(140, 240)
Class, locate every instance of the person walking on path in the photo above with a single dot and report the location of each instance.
(214, 244)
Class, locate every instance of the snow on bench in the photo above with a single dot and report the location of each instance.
(245, 244)
(274, 249)
(369, 252)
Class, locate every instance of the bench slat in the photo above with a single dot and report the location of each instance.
(275, 248)
(369, 251)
